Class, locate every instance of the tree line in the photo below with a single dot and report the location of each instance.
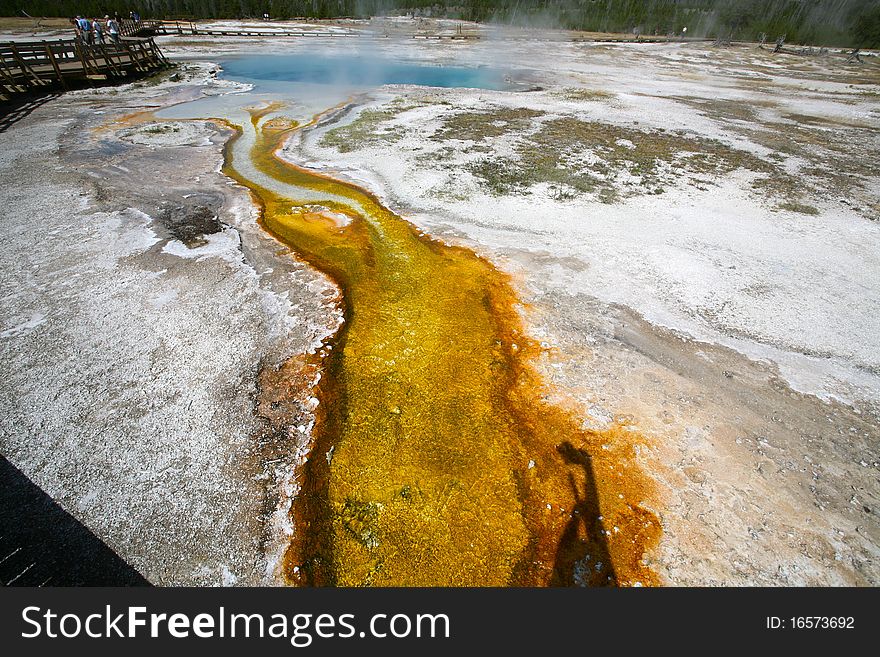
(819, 22)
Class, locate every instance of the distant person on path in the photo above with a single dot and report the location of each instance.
(83, 29)
(98, 30)
(112, 29)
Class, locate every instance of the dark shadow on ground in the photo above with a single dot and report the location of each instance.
(15, 109)
(43, 545)
(582, 556)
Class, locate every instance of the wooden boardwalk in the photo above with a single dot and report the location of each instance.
(26, 67)
(181, 28)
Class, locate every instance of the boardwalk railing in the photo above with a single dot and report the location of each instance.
(26, 66)
(172, 27)
(184, 27)
(131, 28)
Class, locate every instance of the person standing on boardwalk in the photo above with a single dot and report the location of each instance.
(83, 29)
(98, 30)
(112, 29)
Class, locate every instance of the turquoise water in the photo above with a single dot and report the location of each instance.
(357, 71)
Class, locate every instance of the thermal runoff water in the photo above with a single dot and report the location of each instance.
(436, 458)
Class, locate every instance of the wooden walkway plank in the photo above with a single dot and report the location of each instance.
(81, 56)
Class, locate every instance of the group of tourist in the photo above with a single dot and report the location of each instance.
(94, 31)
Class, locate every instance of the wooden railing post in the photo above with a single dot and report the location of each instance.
(10, 77)
(150, 54)
(89, 52)
(109, 61)
(157, 54)
(55, 66)
(119, 51)
(25, 69)
(144, 61)
(132, 56)
(80, 54)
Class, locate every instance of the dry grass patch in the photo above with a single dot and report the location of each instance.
(477, 126)
(607, 161)
(580, 94)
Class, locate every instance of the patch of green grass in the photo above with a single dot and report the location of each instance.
(366, 130)
(370, 129)
(800, 208)
(583, 95)
(840, 162)
(821, 121)
(722, 109)
(477, 126)
(578, 157)
(574, 157)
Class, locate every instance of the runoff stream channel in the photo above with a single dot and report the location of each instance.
(435, 460)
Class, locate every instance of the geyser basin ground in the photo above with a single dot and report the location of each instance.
(684, 293)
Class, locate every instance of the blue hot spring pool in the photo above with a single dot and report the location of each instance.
(358, 71)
